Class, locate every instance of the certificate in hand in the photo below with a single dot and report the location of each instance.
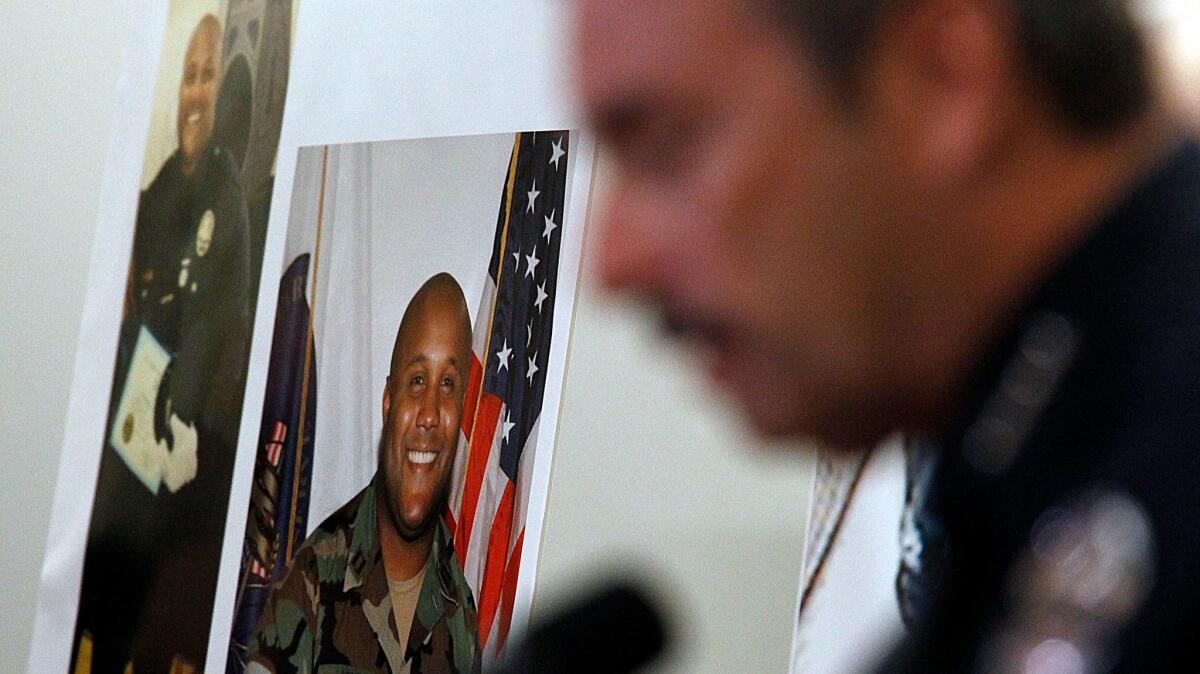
(132, 433)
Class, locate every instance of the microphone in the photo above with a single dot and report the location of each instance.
(614, 629)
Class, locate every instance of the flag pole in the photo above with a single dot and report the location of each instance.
(487, 340)
(308, 347)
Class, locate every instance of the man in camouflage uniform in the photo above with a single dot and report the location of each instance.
(381, 571)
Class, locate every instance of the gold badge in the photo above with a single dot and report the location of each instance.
(204, 232)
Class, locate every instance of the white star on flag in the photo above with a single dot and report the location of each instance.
(488, 511)
(531, 262)
(557, 153)
(508, 424)
(533, 195)
(533, 368)
(504, 355)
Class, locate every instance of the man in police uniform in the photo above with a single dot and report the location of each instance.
(154, 543)
(971, 220)
(377, 586)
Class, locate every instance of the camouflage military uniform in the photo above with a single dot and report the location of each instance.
(332, 606)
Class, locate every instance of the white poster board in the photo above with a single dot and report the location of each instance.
(360, 71)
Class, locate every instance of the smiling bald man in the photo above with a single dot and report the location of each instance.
(378, 585)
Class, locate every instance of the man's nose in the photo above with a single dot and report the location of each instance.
(427, 412)
(632, 246)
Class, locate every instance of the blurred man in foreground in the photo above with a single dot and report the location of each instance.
(971, 220)
(378, 587)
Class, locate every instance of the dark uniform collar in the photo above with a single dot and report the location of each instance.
(1085, 306)
(211, 157)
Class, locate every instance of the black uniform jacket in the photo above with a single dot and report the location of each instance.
(151, 563)
(1070, 485)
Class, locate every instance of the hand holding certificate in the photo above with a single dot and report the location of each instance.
(133, 437)
(179, 465)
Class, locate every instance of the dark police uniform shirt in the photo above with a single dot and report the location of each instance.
(190, 281)
(151, 562)
(1070, 488)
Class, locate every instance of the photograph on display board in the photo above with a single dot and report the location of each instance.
(154, 540)
(411, 359)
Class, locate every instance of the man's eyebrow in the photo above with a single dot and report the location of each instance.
(420, 359)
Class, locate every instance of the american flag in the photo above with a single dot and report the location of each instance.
(501, 418)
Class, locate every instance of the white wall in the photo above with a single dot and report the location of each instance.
(60, 64)
(652, 478)
(646, 467)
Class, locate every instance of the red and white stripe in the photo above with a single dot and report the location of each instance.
(274, 449)
(486, 514)
(258, 570)
(279, 432)
(274, 446)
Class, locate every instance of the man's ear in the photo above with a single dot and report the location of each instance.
(941, 82)
(387, 396)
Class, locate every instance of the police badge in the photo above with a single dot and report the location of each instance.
(204, 232)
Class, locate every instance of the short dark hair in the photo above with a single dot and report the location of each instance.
(1090, 56)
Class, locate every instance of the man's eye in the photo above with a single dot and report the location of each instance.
(659, 149)
(418, 380)
(448, 382)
